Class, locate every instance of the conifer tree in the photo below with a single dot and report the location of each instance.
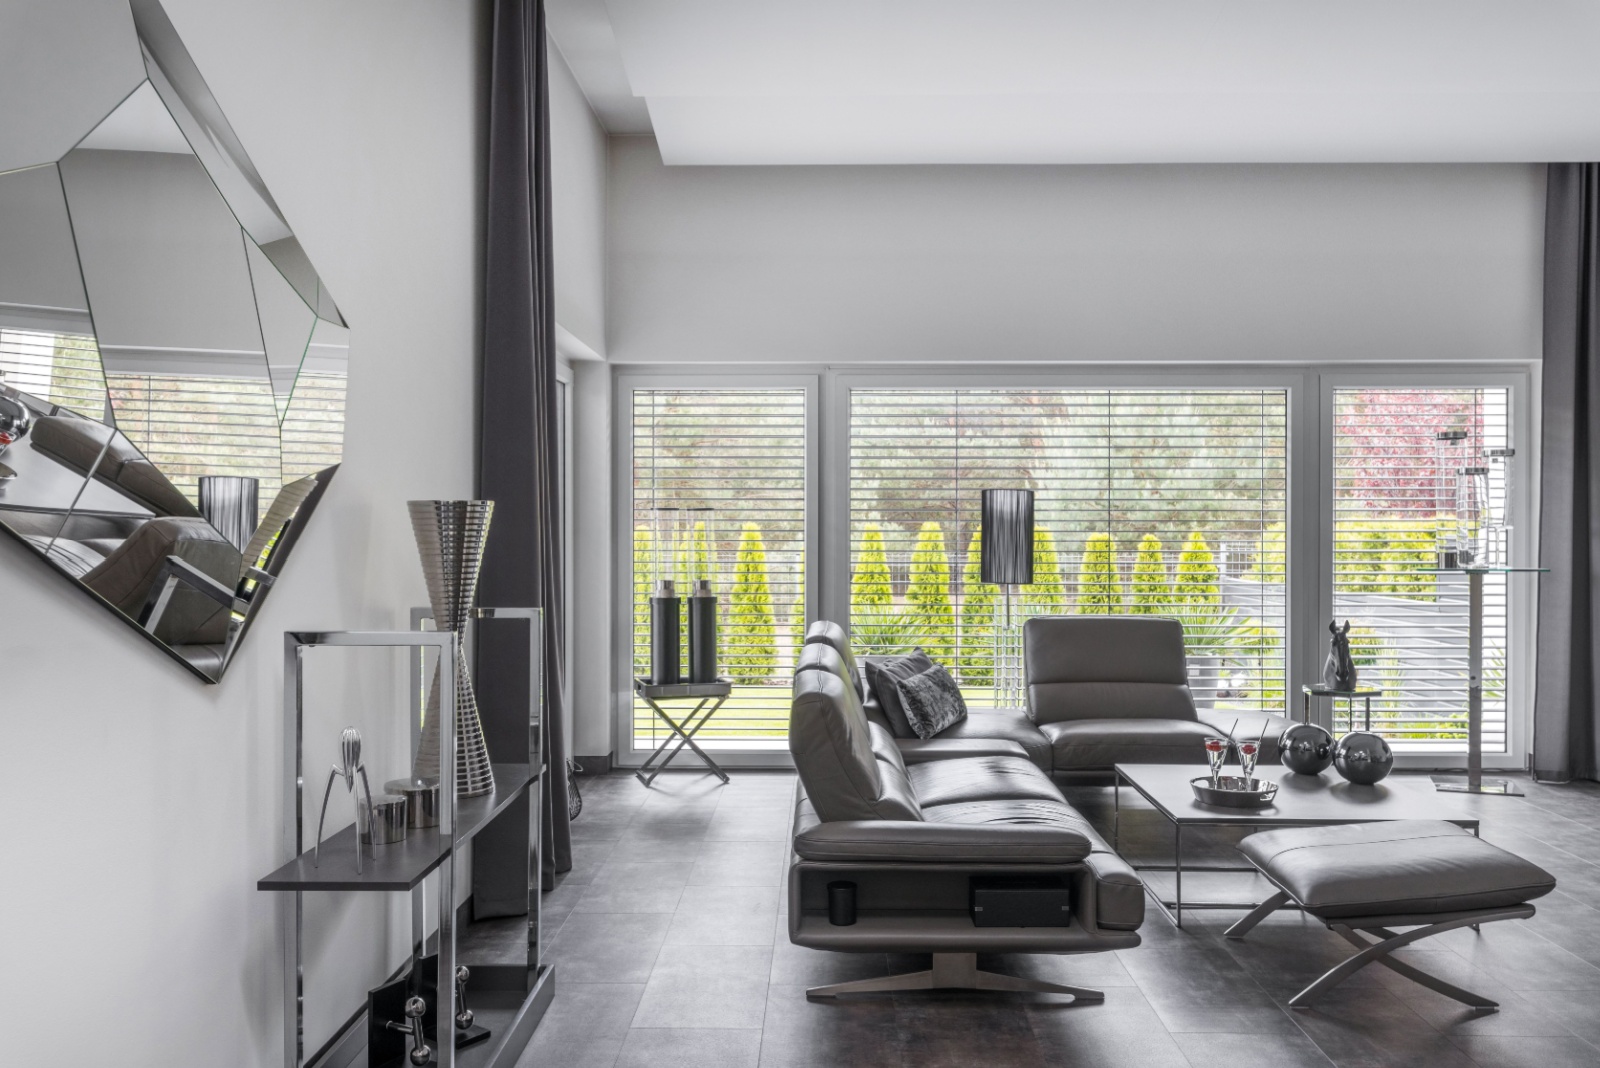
(1198, 583)
(1151, 587)
(752, 654)
(1099, 585)
(1047, 593)
(978, 602)
(928, 608)
(643, 562)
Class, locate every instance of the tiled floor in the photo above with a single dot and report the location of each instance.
(671, 949)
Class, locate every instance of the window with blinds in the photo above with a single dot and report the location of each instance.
(60, 368)
(1162, 502)
(1408, 632)
(742, 454)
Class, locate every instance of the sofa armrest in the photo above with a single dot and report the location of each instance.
(947, 843)
(1119, 893)
(922, 750)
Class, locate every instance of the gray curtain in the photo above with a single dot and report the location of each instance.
(1566, 710)
(517, 451)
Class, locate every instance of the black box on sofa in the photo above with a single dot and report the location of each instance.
(1020, 901)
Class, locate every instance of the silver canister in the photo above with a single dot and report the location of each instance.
(423, 795)
(388, 820)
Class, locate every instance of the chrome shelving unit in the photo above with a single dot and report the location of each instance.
(511, 997)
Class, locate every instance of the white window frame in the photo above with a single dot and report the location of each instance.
(1309, 540)
(626, 382)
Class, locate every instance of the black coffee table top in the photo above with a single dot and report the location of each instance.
(1302, 801)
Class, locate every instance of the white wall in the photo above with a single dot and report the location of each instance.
(578, 202)
(846, 265)
(142, 804)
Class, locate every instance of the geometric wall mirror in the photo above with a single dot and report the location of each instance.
(172, 399)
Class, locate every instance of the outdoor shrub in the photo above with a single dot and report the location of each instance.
(978, 605)
(1046, 595)
(752, 653)
(1099, 584)
(1151, 589)
(928, 606)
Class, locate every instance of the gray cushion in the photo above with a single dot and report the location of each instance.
(989, 778)
(1399, 868)
(833, 635)
(1010, 724)
(1106, 667)
(832, 749)
(931, 701)
(882, 674)
(1082, 744)
(1028, 838)
(125, 577)
(920, 751)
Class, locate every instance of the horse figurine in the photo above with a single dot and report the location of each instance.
(1339, 670)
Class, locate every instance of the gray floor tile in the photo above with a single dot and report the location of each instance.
(724, 916)
(954, 1029)
(721, 863)
(643, 886)
(1251, 1051)
(584, 1027)
(607, 948)
(707, 986)
(847, 1033)
(690, 1047)
(1124, 1029)
(1493, 1051)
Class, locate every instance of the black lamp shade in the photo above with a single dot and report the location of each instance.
(1007, 537)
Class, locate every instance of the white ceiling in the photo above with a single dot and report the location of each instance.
(1116, 81)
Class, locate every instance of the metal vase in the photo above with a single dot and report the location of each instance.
(451, 537)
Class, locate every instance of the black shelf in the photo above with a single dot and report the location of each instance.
(403, 865)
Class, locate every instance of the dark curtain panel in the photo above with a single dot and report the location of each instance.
(517, 450)
(1566, 711)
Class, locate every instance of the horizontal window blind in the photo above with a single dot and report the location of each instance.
(1162, 502)
(62, 369)
(192, 425)
(313, 424)
(1408, 629)
(741, 453)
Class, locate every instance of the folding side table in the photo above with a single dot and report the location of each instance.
(708, 698)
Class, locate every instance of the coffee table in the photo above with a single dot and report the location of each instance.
(1302, 801)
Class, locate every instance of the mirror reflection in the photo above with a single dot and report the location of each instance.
(172, 370)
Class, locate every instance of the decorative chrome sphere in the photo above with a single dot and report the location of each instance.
(1305, 748)
(15, 419)
(1363, 758)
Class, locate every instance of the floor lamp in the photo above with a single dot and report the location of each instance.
(1006, 561)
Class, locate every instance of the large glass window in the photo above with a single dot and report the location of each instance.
(742, 453)
(1148, 501)
(1409, 628)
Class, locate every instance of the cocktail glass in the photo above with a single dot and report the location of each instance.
(1216, 753)
(1248, 751)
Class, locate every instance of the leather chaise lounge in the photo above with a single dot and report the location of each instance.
(1101, 690)
(911, 823)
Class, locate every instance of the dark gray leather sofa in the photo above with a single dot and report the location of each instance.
(910, 825)
(1101, 690)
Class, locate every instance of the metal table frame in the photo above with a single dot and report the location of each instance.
(1173, 908)
(1308, 691)
(709, 697)
(1474, 782)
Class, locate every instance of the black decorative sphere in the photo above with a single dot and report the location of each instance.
(1305, 748)
(1363, 758)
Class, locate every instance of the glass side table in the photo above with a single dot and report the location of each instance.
(1310, 690)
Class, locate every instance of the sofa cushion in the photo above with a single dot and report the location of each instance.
(931, 701)
(920, 751)
(1106, 667)
(1032, 838)
(1404, 867)
(832, 749)
(989, 778)
(1082, 744)
(883, 672)
(833, 635)
(1008, 724)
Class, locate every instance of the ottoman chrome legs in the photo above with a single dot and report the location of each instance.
(952, 971)
(1423, 926)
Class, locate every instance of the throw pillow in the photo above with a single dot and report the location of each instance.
(932, 701)
(882, 674)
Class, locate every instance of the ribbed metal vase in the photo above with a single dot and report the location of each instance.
(451, 536)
